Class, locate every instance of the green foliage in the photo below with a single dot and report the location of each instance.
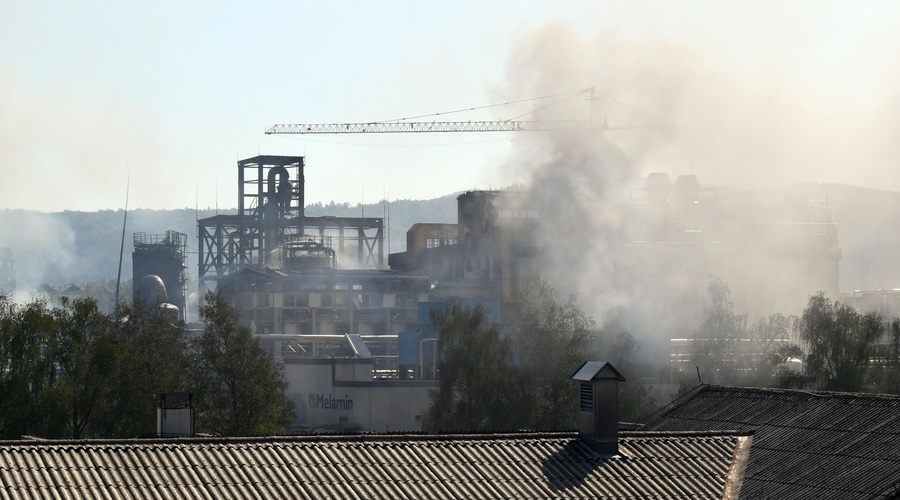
(25, 335)
(840, 342)
(152, 360)
(551, 337)
(74, 372)
(85, 357)
(517, 378)
(783, 377)
(886, 369)
(240, 389)
(729, 352)
(635, 402)
(716, 348)
(841, 346)
(477, 390)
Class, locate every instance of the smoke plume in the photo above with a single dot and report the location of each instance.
(691, 117)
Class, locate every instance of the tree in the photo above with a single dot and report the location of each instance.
(716, 346)
(729, 352)
(887, 371)
(152, 360)
(773, 353)
(476, 386)
(25, 334)
(635, 402)
(840, 343)
(84, 352)
(240, 389)
(510, 376)
(550, 338)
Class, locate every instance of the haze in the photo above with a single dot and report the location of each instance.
(173, 93)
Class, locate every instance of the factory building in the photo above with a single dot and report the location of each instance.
(325, 301)
(491, 250)
(355, 340)
(672, 240)
(315, 292)
(293, 274)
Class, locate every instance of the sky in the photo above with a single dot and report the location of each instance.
(163, 98)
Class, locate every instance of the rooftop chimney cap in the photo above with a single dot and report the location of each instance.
(596, 370)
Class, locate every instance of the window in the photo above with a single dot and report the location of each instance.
(440, 241)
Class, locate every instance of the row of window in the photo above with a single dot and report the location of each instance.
(326, 300)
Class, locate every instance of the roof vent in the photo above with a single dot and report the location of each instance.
(175, 414)
(598, 406)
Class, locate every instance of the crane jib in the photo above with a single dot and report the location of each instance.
(405, 127)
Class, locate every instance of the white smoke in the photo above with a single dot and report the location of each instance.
(42, 247)
(726, 128)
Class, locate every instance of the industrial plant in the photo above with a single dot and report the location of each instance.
(354, 338)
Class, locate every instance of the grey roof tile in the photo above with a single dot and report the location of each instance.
(528, 465)
(806, 444)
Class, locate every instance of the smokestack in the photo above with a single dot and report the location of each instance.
(598, 406)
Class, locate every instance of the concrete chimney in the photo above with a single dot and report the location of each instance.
(598, 406)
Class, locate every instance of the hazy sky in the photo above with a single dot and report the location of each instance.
(755, 92)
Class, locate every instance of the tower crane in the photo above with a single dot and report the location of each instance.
(403, 126)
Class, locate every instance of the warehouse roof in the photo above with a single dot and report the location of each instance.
(806, 444)
(527, 465)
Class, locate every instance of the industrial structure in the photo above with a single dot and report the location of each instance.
(595, 123)
(293, 274)
(491, 250)
(672, 240)
(315, 291)
(352, 336)
(272, 230)
(325, 301)
(159, 267)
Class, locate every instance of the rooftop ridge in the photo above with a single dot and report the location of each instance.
(363, 437)
(815, 393)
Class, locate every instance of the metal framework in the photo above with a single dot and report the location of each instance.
(595, 123)
(405, 127)
(270, 213)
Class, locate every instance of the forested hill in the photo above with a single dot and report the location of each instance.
(63, 248)
(77, 247)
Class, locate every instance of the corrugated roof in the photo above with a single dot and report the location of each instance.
(557, 465)
(806, 444)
